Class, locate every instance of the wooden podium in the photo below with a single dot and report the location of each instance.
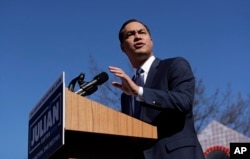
(94, 131)
(65, 125)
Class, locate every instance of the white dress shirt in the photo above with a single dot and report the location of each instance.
(146, 66)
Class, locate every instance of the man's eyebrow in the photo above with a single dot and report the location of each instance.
(133, 31)
(129, 31)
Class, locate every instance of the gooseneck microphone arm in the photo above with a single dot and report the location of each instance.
(87, 88)
(78, 79)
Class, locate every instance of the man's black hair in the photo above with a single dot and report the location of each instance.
(121, 33)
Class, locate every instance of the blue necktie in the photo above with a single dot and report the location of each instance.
(139, 80)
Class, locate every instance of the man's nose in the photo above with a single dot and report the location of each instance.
(137, 36)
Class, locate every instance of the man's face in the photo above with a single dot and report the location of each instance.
(137, 42)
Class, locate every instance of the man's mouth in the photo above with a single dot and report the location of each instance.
(138, 45)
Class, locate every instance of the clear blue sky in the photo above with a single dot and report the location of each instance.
(39, 39)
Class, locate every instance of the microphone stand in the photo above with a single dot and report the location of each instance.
(80, 80)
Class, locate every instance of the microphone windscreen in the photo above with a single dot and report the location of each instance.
(101, 78)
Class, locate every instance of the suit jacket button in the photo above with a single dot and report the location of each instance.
(156, 104)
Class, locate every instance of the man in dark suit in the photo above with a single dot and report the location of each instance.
(165, 96)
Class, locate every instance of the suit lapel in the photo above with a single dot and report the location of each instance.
(152, 71)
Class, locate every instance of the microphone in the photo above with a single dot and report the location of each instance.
(90, 87)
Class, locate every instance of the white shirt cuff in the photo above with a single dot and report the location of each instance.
(140, 93)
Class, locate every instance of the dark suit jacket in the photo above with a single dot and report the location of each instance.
(168, 94)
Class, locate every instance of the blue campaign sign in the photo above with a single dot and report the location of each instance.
(46, 124)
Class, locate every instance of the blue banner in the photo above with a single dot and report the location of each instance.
(46, 125)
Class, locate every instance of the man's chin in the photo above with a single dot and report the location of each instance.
(142, 53)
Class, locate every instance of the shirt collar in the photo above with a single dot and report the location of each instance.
(147, 64)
